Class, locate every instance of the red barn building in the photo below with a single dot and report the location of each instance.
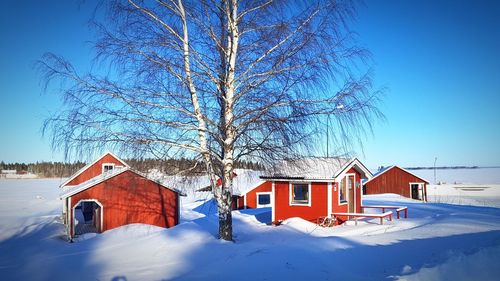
(107, 194)
(397, 180)
(316, 187)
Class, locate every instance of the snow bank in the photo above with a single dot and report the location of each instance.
(437, 241)
(460, 266)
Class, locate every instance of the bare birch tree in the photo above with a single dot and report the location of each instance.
(215, 80)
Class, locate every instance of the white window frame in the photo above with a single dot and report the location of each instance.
(108, 164)
(263, 193)
(290, 192)
(421, 187)
(339, 188)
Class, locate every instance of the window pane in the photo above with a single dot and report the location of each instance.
(342, 190)
(301, 193)
(264, 199)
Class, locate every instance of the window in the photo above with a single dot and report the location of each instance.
(342, 191)
(107, 167)
(300, 194)
(264, 199)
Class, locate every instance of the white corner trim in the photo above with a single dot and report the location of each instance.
(69, 213)
(273, 211)
(290, 193)
(178, 208)
(329, 194)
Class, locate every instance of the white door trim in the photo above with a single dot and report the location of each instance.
(421, 186)
(86, 200)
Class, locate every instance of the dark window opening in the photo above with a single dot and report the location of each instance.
(264, 199)
(300, 194)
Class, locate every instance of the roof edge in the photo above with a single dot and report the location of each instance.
(392, 167)
(84, 168)
(350, 164)
(77, 190)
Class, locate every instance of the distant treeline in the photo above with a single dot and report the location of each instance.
(170, 166)
(443, 168)
(44, 169)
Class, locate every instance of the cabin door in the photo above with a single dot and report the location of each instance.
(416, 190)
(351, 191)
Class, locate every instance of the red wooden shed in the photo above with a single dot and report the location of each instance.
(397, 180)
(107, 194)
(316, 187)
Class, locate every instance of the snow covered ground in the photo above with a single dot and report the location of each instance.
(487, 195)
(461, 176)
(437, 242)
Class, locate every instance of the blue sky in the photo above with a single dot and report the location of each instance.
(440, 61)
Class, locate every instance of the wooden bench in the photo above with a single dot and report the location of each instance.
(362, 215)
(397, 208)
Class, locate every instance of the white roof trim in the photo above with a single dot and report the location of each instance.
(390, 168)
(352, 163)
(103, 177)
(336, 174)
(91, 164)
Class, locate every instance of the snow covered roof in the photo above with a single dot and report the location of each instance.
(389, 168)
(243, 181)
(105, 176)
(317, 168)
(185, 182)
(90, 164)
(246, 180)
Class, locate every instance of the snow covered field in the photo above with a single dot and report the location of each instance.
(461, 176)
(437, 242)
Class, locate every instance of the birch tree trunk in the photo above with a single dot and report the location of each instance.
(225, 196)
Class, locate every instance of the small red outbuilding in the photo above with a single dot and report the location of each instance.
(107, 194)
(399, 181)
(316, 187)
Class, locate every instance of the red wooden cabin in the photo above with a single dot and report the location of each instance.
(107, 194)
(397, 180)
(316, 187)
